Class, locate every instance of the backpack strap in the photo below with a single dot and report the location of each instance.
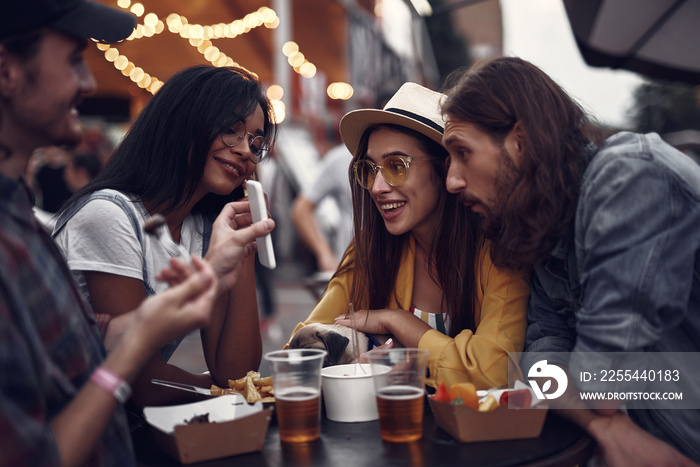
(127, 206)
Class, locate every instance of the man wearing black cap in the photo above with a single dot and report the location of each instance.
(59, 391)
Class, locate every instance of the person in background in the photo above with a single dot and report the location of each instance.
(416, 268)
(49, 184)
(95, 141)
(331, 182)
(80, 170)
(60, 392)
(186, 156)
(610, 227)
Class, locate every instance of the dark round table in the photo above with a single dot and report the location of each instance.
(359, 444)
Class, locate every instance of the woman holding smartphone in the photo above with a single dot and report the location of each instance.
(186, 157)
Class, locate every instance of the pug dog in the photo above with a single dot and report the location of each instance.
(336, 340)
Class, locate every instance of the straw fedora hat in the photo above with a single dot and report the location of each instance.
(413, 106)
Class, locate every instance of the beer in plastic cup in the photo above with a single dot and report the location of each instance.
(400, 392)
(296, 377)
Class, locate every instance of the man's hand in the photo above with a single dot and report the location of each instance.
(180, 309)
(187, 304)
(620, 440)
(622, 443)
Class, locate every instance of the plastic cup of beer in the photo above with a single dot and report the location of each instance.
(296, 377)
(400, 392)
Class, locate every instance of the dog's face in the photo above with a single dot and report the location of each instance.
(332, 338)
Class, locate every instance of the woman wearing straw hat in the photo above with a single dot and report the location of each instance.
(416, 268)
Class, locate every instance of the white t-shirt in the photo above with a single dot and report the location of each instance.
(100, 237)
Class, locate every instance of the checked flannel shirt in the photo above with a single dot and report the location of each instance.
(49, 342)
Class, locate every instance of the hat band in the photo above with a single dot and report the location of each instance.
(420, 118)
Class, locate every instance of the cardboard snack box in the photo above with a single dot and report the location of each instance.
(468, 425)
(235, 428)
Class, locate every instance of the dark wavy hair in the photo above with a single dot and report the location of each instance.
(162, 157)
(374, 255)
(496, 94)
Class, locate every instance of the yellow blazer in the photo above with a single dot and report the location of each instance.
(480, 357)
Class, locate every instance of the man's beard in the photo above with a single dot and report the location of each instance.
(507, 177)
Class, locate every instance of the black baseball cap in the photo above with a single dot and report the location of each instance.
(84, 19)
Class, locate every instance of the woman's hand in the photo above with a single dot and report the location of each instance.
(372, 322)
(402, 325)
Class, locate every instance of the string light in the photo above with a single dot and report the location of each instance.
(199, 36)
(275, 92)
(138, 9)
(342, 91)
(297, 60)
(278, 109)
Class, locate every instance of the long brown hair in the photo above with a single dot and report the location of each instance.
(496, 94)
(374, 255)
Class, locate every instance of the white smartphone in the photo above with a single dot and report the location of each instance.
(258, 209)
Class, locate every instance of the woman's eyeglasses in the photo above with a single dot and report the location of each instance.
(258, 146)
(394, 170)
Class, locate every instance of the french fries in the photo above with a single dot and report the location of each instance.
(251, 386)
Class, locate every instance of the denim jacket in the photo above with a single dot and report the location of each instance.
(627, 275)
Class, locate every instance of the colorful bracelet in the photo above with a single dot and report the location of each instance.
(112, 383)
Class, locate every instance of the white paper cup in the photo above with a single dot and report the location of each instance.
(348, 393)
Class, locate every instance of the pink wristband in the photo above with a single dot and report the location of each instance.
(112, 383)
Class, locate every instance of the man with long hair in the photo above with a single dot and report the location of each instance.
(610, 227)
